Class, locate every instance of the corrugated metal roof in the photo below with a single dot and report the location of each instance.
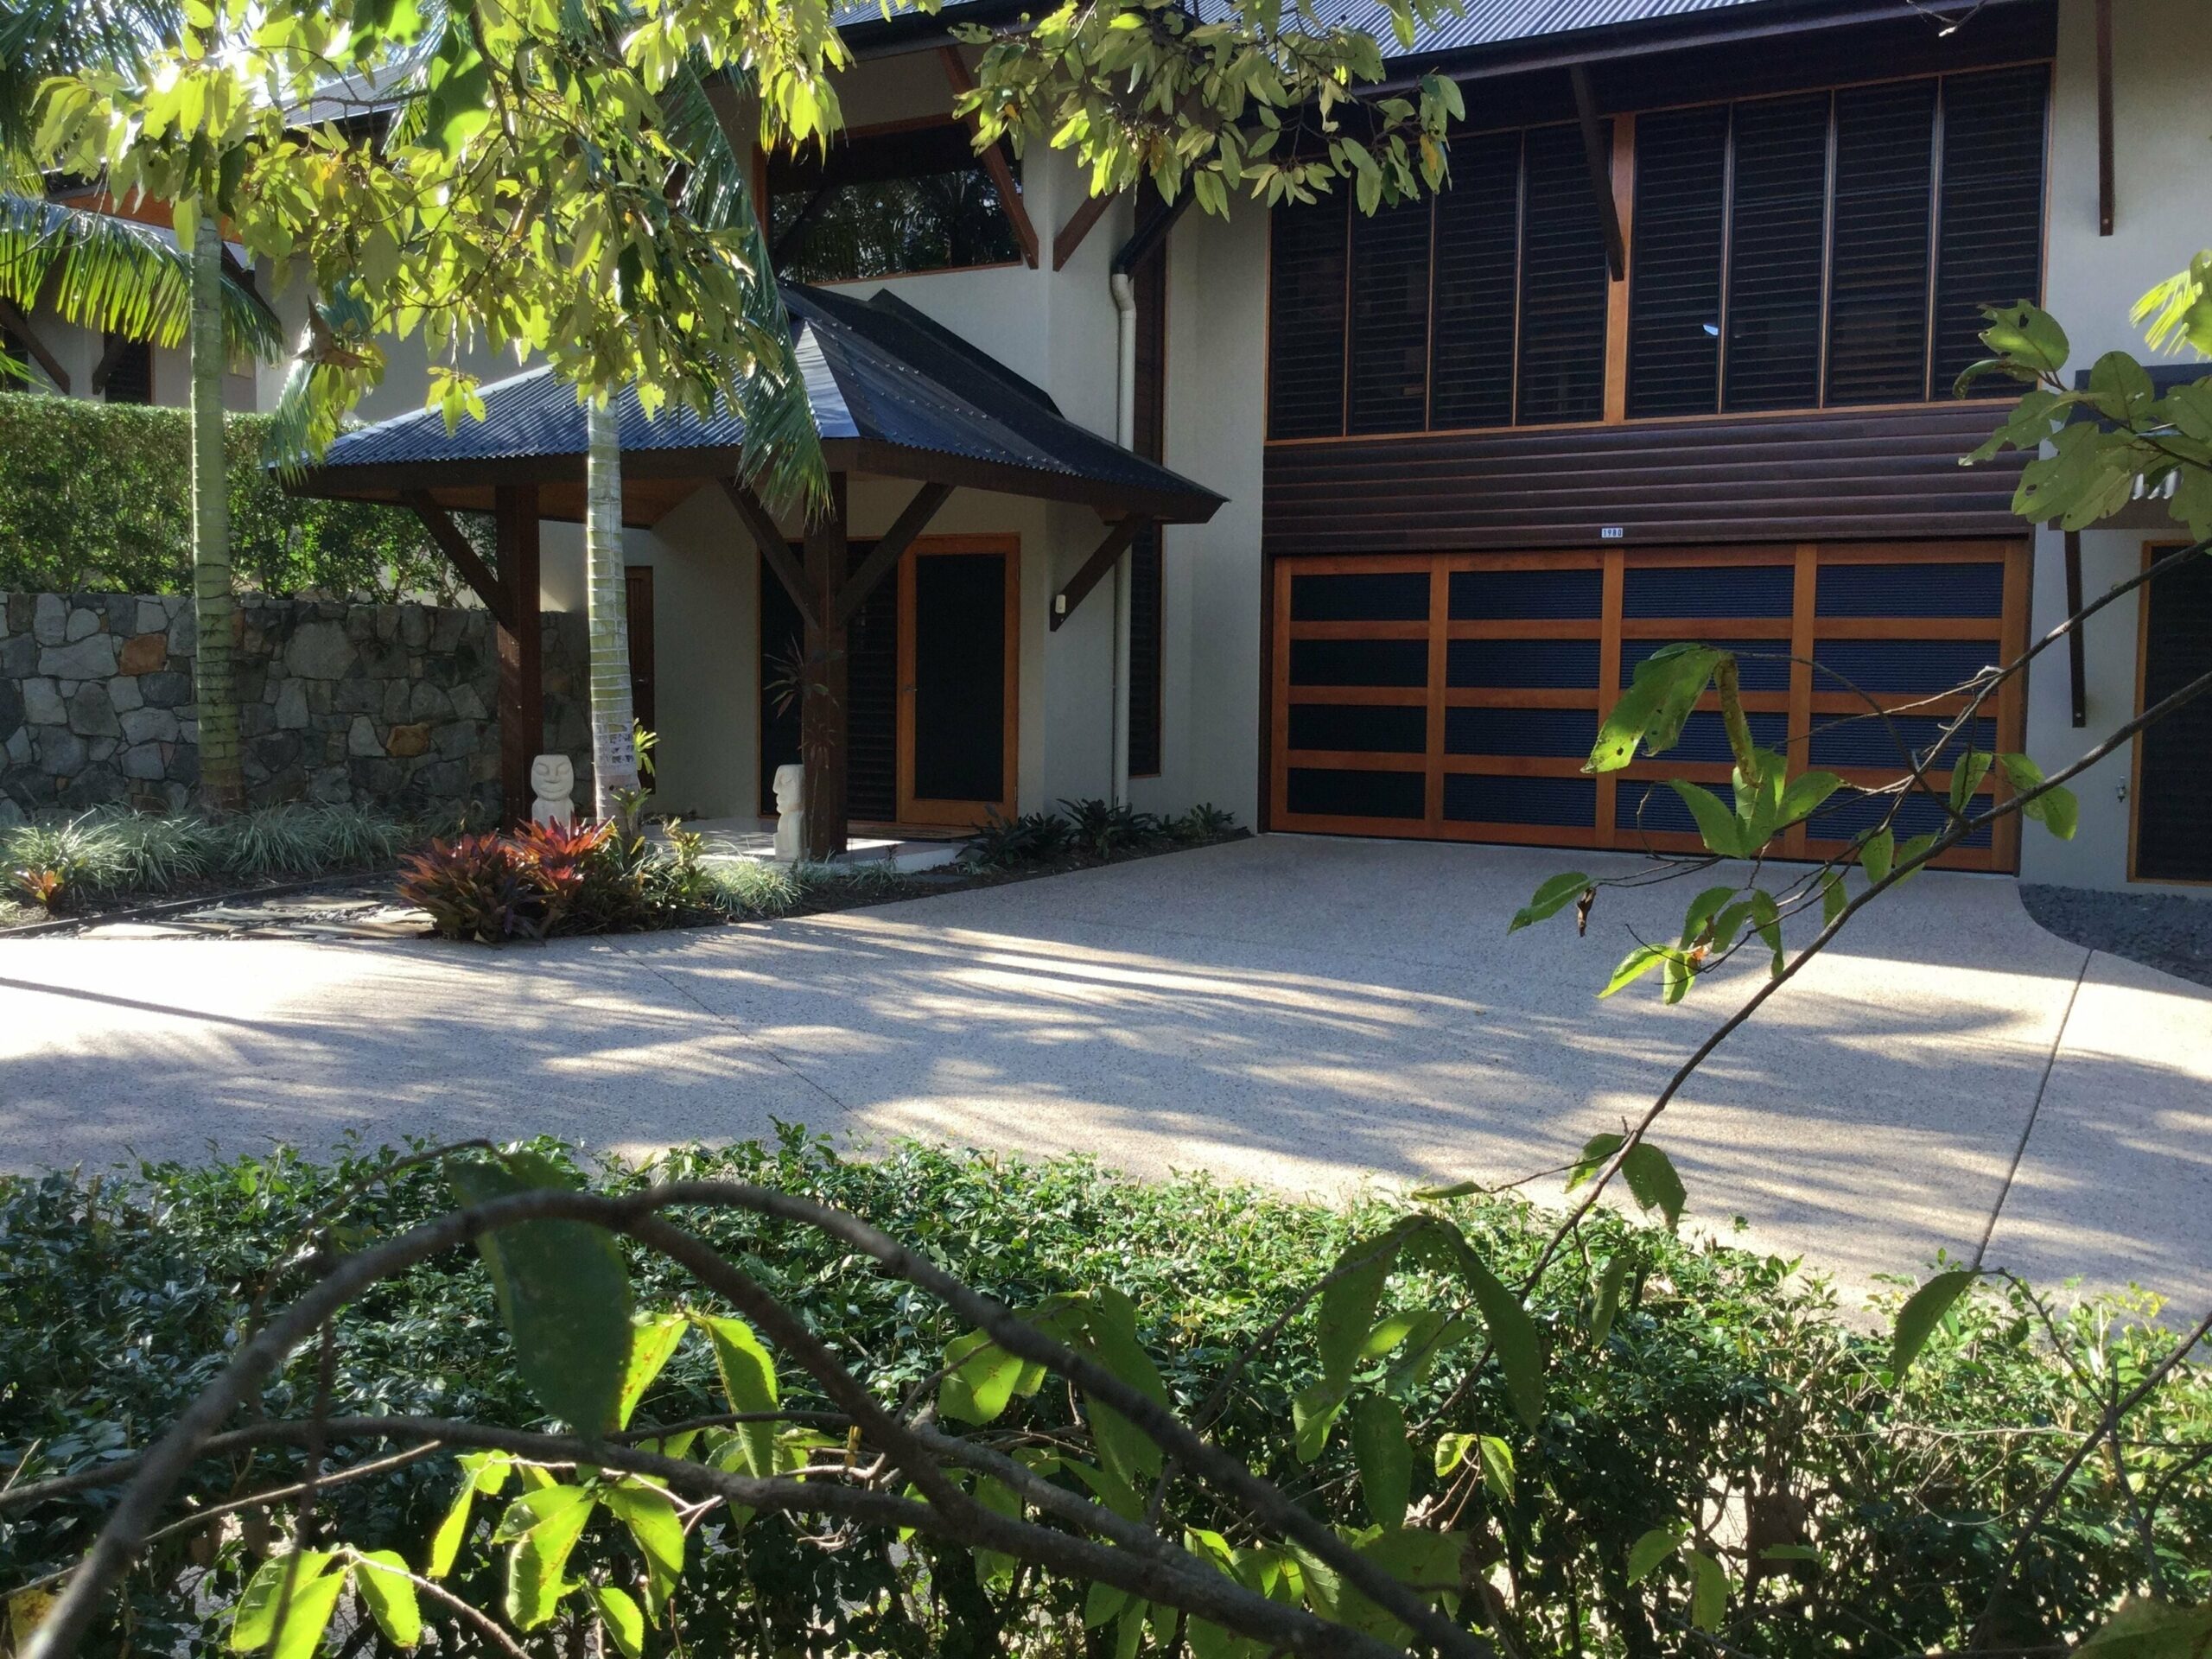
(874, 370)
(1484, 22)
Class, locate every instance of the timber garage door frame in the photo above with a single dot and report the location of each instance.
(1934, 607)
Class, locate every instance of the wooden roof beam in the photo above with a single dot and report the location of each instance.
(1599, 152)
(483, 582)
(775, 551)
(1119, 534)
(994, 159)
(2107, 208)
(883, 557)
(1079, 226)
(13, 320)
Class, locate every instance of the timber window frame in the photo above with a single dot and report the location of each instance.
(1836, 244)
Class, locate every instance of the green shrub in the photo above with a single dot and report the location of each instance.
(94, 497)
(110, 852)
(544, 880)
(1726, 1379)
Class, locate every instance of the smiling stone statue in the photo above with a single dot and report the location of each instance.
(553, 780)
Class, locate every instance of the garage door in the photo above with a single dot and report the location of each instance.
(1455, 697)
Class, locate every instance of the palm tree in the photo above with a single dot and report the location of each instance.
(614, 761)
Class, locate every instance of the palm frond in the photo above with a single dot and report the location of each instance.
(117, 276)
(783, 446)
(38, 38)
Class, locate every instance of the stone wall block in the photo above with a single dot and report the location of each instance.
(91, 657)
(142, 653)
(361, 739)
(18, 656)
(90, 714)
(50, 619)
(167, 690)
(42, 704)
(84, 622)
(149, 726)
(122, 691)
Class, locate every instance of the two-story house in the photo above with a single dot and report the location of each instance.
(1671, 358)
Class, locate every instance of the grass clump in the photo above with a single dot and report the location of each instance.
(1090, 830)
(111, 854)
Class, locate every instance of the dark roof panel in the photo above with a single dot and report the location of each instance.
(876, 371)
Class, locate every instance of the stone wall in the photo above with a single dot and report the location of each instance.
(389, 706)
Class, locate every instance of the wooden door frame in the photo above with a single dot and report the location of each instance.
(1007, 546)
(2153, 549)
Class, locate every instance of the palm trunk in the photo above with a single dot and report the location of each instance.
(614, 760)
(222, 781)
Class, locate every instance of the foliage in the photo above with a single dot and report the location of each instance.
(545, 880)
(1717, 1407)
(93, 497)
(1089, 829)
(110, 854)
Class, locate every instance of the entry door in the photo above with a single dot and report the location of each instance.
(637, 610)
(2172, 795)
(958, 636)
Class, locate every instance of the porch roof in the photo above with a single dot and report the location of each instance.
(894, 394)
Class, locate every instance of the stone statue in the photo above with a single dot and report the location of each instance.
(553, 780)
(791, 813)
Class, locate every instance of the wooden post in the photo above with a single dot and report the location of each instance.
(823, 703)
(522, 667)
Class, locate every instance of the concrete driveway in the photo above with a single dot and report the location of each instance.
(1313, 1013)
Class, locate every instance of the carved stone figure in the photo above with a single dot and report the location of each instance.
(553, 780)
(791, 812)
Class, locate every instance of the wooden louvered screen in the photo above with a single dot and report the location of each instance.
(1477, 253)
(1878, 281)
(1563, 284)
(2173, 790)
(1306, 333)
(1387, 379)
(1989, 245)
(1456, 696)
(1776, 236)
(1682, 200)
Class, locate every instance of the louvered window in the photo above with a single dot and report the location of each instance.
(1989, 247)
(1305, 335)
(1563, 284)
(1681, 199)
(1478, 251)
(1777, 227)
(1389, 319)
(1878, 260)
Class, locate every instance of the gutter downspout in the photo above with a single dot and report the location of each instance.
(1149, 238)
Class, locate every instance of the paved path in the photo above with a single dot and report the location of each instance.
(1315, 1013)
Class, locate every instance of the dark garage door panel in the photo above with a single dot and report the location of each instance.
(1455, 696)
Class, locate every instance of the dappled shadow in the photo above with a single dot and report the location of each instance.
(1316, 1014)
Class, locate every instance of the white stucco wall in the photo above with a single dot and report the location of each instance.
(2162, 75)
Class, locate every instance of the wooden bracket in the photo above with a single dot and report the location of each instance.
(110, 356)
(482, 581)
(2105, 189)
(18, 324)
(1601, 184)
(1079, 226)
(1119, 534)
(883, 557)
(775, 551)
(994, 159)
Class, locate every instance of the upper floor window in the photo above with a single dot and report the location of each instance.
(1812, 250)
(886, 203)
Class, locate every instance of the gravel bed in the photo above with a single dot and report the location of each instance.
(2156, 929)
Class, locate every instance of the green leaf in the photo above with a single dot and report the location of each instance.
(1635, 965)
(381, 1576)
(979, 1380)
(1437, 1194)
(459, 104)
(452, 1532)
(1313, 1413)
(652, 1342)
(1967, 776)
(1595, 1152)
(1708, 1592)
(1451, 1450)
(624, 1622)
(1607, 1306)
(253, 1622)
(1553, 896)
(1703, 909)
(1833, 898)
(1667, 686)
(2026, 334)
(748, 1374)
(1804, 795)
(1653, 1181)
(1348, 1303)
(1718, 826)
(2057, 810)
(1497, 1468)
(1655, 1547)
(563, 1292)
(1385, 1458)
(1123, 1447)
(2142, 1627)
(1393, 1329)
(1922, 1312)
(1513, 1334)
(1103, 1604)
(537, 1565)
(658, 1531)
(1108, 1488)
(1876, 854)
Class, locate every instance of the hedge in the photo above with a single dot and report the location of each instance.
(96, 498)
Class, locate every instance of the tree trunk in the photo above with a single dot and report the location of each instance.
(222, 780)
(614, 759)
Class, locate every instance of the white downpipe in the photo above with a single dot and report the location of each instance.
(1125, 434)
